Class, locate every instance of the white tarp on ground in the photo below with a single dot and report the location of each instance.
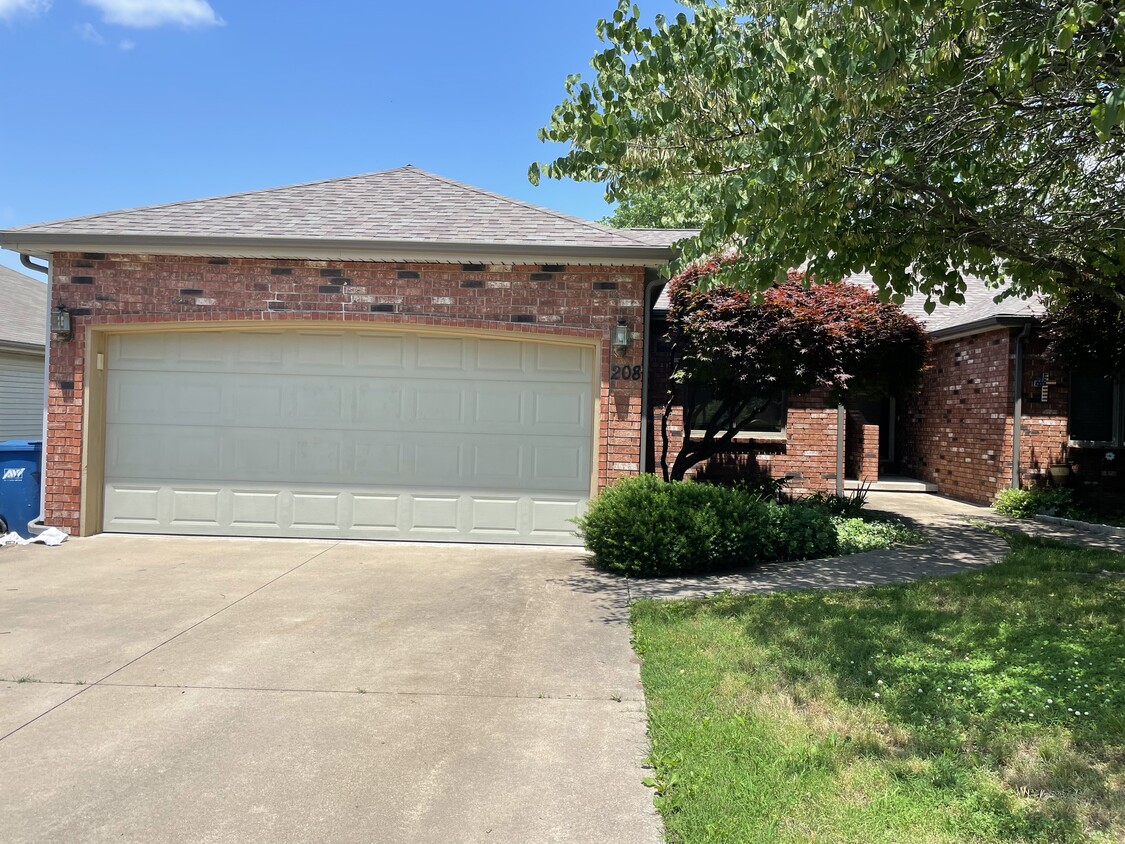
(51, 536)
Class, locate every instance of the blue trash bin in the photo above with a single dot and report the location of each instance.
(20, 474)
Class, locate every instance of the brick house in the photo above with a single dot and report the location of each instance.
(401, 356)
(954, 437)
(394, 355)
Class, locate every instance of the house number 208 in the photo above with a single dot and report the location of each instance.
(625, 373)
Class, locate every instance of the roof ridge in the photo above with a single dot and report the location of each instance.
(542, 209)
(219, 196)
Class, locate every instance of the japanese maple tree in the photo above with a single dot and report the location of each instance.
(738, 350)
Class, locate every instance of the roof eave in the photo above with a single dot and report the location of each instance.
(44, 244)
(954, 332)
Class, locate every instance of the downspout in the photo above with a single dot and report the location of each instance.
(36, 526)
(1017, 406)
(841, 430)
(651, 285)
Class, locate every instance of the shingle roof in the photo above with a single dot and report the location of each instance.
(660, 237)
(401, 205)
(978, 307)
(23, 309)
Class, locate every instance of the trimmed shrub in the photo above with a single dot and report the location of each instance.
(643, 526)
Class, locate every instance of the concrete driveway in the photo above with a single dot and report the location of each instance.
(167, 689)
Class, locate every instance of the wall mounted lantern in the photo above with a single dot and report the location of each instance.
(60, 324)
(620, 338)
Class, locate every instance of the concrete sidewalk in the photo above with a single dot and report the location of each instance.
(169, 690)
(954, 544)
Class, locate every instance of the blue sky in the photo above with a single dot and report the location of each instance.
(118, 103)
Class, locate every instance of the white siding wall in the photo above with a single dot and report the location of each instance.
(21, 396)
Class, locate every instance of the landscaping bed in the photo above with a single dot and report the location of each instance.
(986, 707)
(643, 526)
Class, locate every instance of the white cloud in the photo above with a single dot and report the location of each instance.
(11, 8)
(89, 33)
(127, 45)
(144, 14)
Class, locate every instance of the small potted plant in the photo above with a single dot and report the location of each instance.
(1059, 470)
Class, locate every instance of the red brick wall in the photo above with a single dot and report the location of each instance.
(108, 289)
(957, 431)
(861, 455)
(807, 455)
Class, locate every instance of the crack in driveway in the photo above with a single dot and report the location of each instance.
(288, 690)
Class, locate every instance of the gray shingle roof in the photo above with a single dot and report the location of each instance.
(978, 307)
(23, 309)
(660, 237)
(401, 205)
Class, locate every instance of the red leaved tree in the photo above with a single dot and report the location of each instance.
(736, 352)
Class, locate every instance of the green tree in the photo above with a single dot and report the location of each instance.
(1086, 334)
(678, 207)
(917, 140)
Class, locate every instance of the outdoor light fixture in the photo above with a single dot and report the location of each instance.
(60, 324)
(620, 338)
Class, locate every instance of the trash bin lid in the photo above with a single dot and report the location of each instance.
(21, 445)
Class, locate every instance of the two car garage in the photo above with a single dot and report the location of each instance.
(358, 433)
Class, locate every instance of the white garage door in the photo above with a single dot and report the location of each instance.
(350, 434)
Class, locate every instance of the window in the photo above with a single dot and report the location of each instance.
(769, 419)
(1096, 410)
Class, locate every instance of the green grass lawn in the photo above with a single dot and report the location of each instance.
(988, 706)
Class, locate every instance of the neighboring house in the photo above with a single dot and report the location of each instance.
(23, 334)
(394, 355)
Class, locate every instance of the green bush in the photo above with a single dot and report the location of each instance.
(1025, 503)
(642, 526)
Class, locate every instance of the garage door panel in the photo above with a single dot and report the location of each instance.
(553, 518)
(570, 360)
(258, 348)
(194, 507)
(440, 405)
(348, 434)
(506, 356)
(384, 354)
(129, 350)
(135, 506)
(440, 353)
(380, 404)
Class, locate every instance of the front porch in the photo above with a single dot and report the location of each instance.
(871, 459)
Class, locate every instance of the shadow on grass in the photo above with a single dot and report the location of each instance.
(976, 669)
